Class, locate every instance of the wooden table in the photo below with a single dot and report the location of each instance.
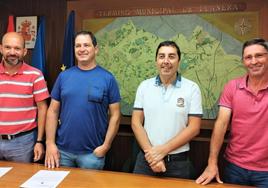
(99, 179)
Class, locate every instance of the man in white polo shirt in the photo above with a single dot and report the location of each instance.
(166, 116)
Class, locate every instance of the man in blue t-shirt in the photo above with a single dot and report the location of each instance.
(81, 99)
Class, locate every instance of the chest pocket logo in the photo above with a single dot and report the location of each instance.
(180, 102)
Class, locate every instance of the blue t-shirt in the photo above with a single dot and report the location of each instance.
(84, 96)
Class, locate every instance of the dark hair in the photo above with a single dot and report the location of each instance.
(258, 41)
(168, 43)
(93, 38)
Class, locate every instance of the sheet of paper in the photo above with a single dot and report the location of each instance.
(4, 170)
(45, 178)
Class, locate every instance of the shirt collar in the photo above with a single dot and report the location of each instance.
(20, 71)
(244, 83)
(176, 82)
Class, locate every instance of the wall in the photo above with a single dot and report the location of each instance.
(122, 153)
(124, 161)
(55, 15)
(86, 8)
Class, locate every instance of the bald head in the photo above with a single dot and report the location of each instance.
(13, 36)
(12, 49)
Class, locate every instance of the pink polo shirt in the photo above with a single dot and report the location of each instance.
(248, 142)
(18, 96)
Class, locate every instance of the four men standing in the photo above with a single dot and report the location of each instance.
(84, 114)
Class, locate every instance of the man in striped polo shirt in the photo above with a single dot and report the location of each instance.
(23, 94)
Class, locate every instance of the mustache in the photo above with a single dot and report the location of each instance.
(12, 56)
(12, 61)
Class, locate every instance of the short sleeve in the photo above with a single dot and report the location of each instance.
(227, 94)
(40, 88)
(56, 91)
(139, 99)
(196, 101)
(114, 93)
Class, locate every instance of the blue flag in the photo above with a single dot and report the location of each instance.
(68, 47)
(38, 54)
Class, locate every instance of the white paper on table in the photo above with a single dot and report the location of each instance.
(4, 170)
(45, 178)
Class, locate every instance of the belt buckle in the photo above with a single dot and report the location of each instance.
(9, 137)
(168, 158)
(6, 137)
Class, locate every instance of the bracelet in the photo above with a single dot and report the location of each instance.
(39, 141)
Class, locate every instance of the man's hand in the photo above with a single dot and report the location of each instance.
(52, 156)
(101, 150)
(210, 172)
(39, 151)
(159, 167)
(155, 155)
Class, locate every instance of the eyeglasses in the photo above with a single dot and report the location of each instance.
(257, 56)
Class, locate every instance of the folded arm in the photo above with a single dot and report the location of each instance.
(157, 153)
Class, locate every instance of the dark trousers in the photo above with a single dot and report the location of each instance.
(178, 166)
(237, 175)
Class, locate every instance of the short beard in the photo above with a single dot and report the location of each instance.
(13, 63)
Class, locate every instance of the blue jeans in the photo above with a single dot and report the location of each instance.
(89, 160)
(19, 149)
(177, 168)
(237, 175)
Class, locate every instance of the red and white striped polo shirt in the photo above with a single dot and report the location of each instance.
(18, 96)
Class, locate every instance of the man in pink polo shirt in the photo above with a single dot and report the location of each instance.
(23, 92)
(244, 105)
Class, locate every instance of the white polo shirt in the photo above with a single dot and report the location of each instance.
(166, 110)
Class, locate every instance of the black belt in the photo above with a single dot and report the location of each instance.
(176, 157)
(12, 136)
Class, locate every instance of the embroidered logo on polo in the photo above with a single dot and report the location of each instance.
(180, 102)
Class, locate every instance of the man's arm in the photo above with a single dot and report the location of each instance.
(41, 120)
(217, 138)
(157, 153)
(52, 153)
(142, 137)
(114, 110)
(139, 131)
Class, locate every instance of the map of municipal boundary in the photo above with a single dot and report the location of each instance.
(210, 45)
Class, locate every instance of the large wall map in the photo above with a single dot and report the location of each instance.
(210, 45)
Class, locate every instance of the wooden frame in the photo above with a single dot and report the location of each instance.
(87, 12)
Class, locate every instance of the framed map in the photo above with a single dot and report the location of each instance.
(210, 45)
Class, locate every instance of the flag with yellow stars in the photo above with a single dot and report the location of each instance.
(68, 46)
